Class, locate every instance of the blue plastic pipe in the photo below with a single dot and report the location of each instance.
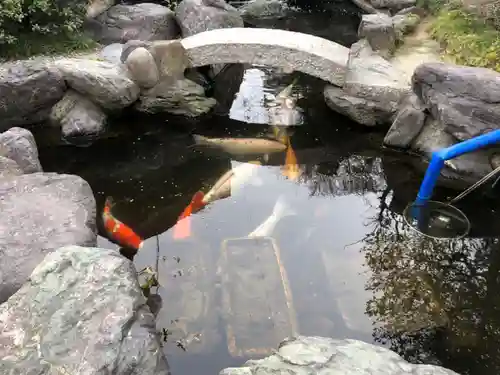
(436, 165)
(439, 157)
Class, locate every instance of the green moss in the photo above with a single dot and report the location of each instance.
(28, 45)
(467, 39)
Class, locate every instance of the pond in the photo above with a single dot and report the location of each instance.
(339, 260)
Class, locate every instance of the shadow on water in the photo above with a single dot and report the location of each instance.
(352, 268)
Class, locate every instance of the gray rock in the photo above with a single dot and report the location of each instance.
(313, 355)
(111, 53)
(495, 161)
(408, 123)
(464, 99)
(78, 116)
(97, 7)
(19, 145)
(28, 89)
(370, 76)
(81, 312)
(379, 30)
(394, 5)
(145, 21)
(363, 111)
(40, 213)
(179, 97)
(366, 6)
(130, 46)
(104, 83)
(196, 16)
(142, 67)
(468, 167)
(9, 167)
(171, 58)
(262, 9)
(405, 23)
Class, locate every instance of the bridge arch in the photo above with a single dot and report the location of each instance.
(308, 54)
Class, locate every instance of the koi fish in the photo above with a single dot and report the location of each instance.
(118, 232)
(232, 180)
(225, 185)
(241, 146)
(291, 169)
(183, 227)
(280, 210)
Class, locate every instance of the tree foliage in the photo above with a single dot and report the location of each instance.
(36, 26)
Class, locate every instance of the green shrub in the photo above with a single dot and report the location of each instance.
(467, 39)
(30, 27)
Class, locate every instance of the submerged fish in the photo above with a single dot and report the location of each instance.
(281, 210)
(223, 188)
(232, 180)
(117, 231)
(182, 228)
(241, 146)
(291, 169)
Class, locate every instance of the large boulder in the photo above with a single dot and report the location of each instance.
(405, 23)
(465, 100)
(145, 21)
(40, 213)
(176, 96)
(467, 168)
(28, 90)
(363, 111)
(312, 355)
(258, 9)
(19, 145)
(97, 7)
(372, 89)
(372, 77)
(408, 122)
(142, 66)
(105, 83)
(9, 167)
(81, 312)
(111, 53)
(379, 30)
(78, 117)
(196, 16)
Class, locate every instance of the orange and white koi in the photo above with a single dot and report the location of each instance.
(117, 231)
(226, 185)
(183, 227)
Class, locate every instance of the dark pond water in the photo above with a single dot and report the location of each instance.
(342, 263)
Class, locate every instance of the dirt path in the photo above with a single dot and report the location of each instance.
(417, 48)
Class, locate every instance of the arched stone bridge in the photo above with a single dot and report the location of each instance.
(309, 54)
